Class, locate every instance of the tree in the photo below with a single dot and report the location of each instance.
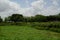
(40, 18)
(1, 20)
(16, 18)
(7, 19)
(51, 18)
(58, 17)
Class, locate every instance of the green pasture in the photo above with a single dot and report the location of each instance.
(26, 33)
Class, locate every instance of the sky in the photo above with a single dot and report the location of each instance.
(29, 7)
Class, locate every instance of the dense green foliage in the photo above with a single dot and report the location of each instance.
(26, 33)
(52, 26)
(36, 18)
(1, 20)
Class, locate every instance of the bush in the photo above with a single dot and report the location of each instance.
(53, 26)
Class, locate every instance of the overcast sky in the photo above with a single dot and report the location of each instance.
(29, 7)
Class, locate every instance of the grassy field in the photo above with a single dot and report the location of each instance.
(26, 33)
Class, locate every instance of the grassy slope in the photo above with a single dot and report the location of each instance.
(26, 33)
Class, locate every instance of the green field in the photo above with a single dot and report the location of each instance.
(26, 33)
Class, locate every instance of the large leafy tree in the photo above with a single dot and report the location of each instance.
(16, 18)
(40, 18)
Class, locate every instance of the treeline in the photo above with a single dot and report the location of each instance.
(37, 21)
(36, 18)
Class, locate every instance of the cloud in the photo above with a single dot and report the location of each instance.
(7, 7)
(41, 5)
(51, 7)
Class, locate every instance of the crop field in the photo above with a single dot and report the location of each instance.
(26, 33)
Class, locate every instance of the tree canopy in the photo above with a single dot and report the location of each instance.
(36, 18)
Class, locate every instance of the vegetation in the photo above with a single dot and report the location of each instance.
(52, 26)
(36, 18)
(38, 27)
(26, 33)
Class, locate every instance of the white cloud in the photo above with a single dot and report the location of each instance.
(38, 4)
(8, 7)
(50, 10)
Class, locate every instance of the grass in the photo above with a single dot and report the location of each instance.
(26, 33)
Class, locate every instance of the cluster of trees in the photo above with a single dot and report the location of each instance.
(36, 18)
